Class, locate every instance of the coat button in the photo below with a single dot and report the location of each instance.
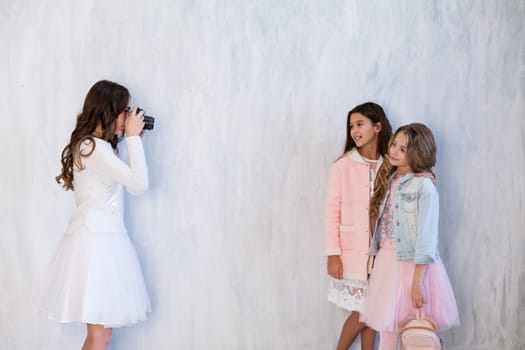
(398, 240)
(397, 206)
(397, 223)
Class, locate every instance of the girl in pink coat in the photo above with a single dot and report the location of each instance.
(347, 224)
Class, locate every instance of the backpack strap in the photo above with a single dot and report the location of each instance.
(420, 315)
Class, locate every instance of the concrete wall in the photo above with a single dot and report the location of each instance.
(251, 99)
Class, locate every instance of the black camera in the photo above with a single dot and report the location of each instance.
(149, 121)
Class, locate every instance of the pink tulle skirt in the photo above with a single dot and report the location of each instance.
(389, 303)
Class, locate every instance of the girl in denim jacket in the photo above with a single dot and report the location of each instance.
(347, 231)
(408, 273)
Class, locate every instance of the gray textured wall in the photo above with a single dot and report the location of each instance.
(250, 99)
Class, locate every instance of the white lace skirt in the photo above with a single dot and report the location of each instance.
(96, 278)
(348, 294)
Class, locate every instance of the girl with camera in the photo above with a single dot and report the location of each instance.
(95, 276)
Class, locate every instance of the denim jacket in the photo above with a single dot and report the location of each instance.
(415, 219)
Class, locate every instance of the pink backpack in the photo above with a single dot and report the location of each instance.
(420, 334)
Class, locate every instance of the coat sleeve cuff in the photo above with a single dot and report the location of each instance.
(332, 251)
(424, 260)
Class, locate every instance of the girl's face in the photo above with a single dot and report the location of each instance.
(398, 154)
(363, 131)
(121, 121)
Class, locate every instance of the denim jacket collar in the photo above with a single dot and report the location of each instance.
(404, 179)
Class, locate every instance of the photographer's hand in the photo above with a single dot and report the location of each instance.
(134, 123)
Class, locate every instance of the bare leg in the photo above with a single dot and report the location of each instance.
(97, 337)
(388, 341)
(368, 338)
(351, 328)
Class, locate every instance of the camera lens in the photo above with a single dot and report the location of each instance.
(149, 121)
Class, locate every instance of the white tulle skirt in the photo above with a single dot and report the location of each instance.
(96, 278)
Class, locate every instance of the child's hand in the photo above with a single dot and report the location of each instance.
(418, 294)
(134, 122)
(335, 267)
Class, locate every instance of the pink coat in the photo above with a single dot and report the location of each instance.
(347, 224)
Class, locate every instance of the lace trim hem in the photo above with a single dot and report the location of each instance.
(348, 294)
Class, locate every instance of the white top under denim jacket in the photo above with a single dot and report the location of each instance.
(415, 219)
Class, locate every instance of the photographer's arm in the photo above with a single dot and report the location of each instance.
(134, 177)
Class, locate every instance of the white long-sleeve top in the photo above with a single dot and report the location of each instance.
(98, 187)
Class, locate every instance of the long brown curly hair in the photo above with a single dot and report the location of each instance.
(104, 102)
(421, 155)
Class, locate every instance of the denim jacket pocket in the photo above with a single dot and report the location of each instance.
(409, 202)
(409, 205)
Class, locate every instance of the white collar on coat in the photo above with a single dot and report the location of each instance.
(356, 156)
